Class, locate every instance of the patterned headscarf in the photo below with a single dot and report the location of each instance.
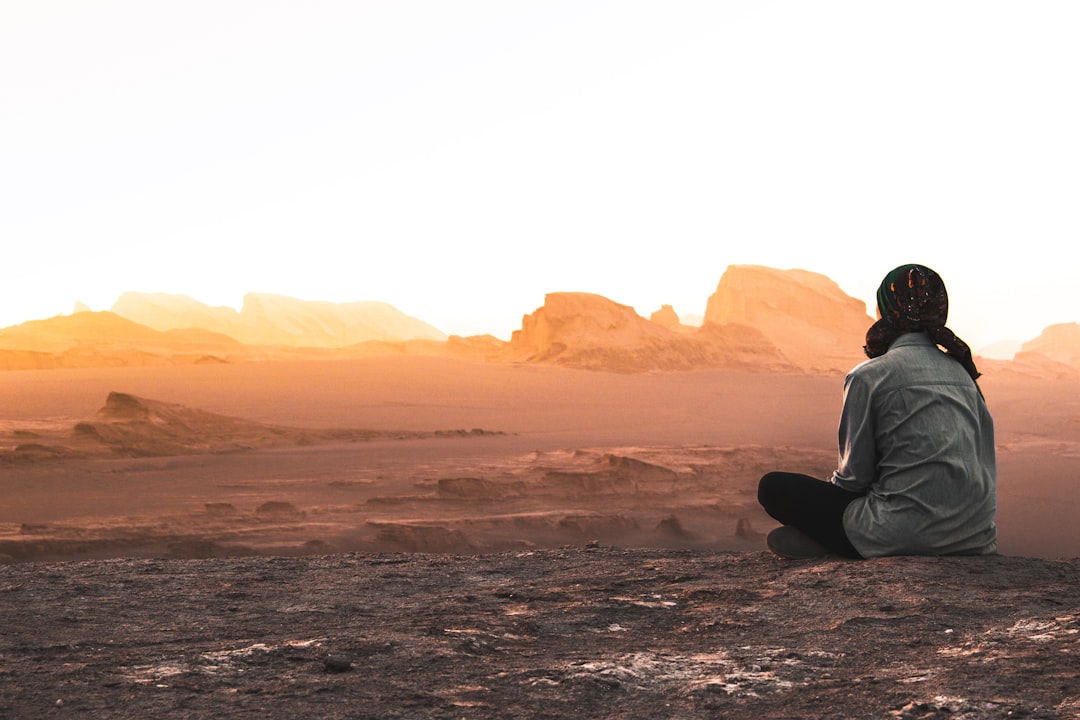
(912, 298)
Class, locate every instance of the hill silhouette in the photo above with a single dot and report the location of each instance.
(758, 318)
(270, 319)
(89, 339)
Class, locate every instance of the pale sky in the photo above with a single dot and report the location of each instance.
(460, 159)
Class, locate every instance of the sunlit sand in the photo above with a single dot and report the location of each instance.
(592, 424)
(444, 455)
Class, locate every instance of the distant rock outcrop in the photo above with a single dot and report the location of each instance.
(1060, 343)
(590, 331)
(133, 426)
(666, 316)
(806, 315)
(277, 319)
(758, 318)
(140, 427)
(269, 319)
(164, 311)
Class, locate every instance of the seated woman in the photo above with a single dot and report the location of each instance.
(917, 471)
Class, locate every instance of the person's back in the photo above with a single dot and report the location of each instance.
(930, 477)
(917, 472)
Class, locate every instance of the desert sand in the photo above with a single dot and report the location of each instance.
(561, 525)
(419, 537)
(438, 454)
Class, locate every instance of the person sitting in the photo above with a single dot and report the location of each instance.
(917, 470)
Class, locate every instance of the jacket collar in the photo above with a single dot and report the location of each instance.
(912, 338)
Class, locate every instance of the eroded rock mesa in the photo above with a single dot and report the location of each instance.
(590, 331)
(806, 315)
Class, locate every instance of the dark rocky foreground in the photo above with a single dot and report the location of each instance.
(570, 633)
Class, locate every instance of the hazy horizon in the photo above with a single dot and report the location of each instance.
(997, 347)
(459, 161)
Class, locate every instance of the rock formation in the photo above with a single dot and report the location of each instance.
(590, 331)
(1060, 343)
(806, 315)
(164, 311)
(758, 318)
(133, 426)
(276, 319)
(666, 316)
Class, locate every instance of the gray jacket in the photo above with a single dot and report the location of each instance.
(916, 437)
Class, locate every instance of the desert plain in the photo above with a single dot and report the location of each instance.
(438, 454)
(569, 529)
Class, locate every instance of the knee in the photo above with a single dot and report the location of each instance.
(766, 489)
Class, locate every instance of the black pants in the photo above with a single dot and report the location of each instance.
(813, 506)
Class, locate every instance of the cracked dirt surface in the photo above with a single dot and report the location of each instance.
(598, 632)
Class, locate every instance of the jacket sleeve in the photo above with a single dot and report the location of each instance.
(857, 469)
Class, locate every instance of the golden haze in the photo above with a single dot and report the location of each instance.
(590, 424)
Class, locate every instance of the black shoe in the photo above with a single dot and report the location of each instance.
(791, 543)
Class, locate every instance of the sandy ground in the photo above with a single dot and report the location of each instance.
(566, 457)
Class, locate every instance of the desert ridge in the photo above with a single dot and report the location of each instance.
(748, 325)
(598, 468)
(758, 319)
(321, 452)
(105, 339)
(271, 319)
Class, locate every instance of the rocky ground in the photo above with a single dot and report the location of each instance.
(596, 632)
